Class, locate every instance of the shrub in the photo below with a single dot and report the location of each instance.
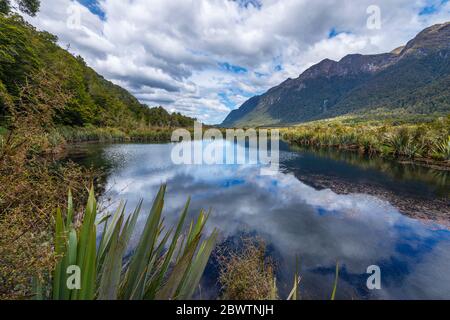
(441, 149)
(156, 269)
(420, 138)
(31, 185)
(248, 274)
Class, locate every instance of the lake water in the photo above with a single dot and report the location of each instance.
(300, 218)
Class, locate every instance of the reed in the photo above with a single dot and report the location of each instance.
(108, 134)
(90, 133)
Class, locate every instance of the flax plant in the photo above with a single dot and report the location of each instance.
(165, 265)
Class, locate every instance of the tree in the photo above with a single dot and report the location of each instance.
(30, 7)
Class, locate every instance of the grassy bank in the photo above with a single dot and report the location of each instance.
(425, 142)
(108, 134)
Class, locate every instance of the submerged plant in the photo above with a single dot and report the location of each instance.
(156, 269)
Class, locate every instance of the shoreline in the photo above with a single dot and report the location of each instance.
(63, 136)
(441, 165)
(436, 210)
(423, 162)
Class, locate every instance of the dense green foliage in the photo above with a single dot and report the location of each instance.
(31, 184)
(93, 100)
(30, 7)
(429, 140)
(48, 98)
(166, 264)
(417, 85)
(107, 134)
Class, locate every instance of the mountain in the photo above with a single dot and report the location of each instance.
(414, 78)
(24, 51)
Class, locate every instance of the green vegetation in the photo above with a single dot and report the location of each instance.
(92, 100)
(426, 141)
(414, 80)
(31, 185)
(164, 265)
(336, 279)
(89, 133)
(30, 7)
(248, 274)
(49, 98)
(106, 134)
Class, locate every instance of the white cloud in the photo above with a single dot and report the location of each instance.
(168, 51)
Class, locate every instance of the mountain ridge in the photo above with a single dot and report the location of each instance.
(330, 87)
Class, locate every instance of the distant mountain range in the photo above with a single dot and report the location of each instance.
(414, 78)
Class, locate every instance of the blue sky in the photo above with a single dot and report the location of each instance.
(433, 7)
(93, 7)
(205, 58)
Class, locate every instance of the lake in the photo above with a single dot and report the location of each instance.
(322, 207)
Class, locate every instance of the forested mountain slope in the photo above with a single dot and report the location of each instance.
(413, 79)
(24, 52)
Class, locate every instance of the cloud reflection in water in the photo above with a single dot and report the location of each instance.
(318, 227)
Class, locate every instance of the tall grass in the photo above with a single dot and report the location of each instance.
(429, 140)
(247, 274)
(151, 135)
(336, 279)
(107, 134)
(164, 265)
(90, 133)
(441, 148)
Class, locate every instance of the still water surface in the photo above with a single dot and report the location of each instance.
(296, 218)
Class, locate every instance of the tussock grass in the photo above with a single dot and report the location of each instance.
(107, 134)
(427, 140)
(91, 133)
(247, 274)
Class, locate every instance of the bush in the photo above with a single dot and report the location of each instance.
(248, 274)
(426, 139)
(156, 269)
(31, 185)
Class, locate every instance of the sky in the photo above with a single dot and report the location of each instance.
(204, 58)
